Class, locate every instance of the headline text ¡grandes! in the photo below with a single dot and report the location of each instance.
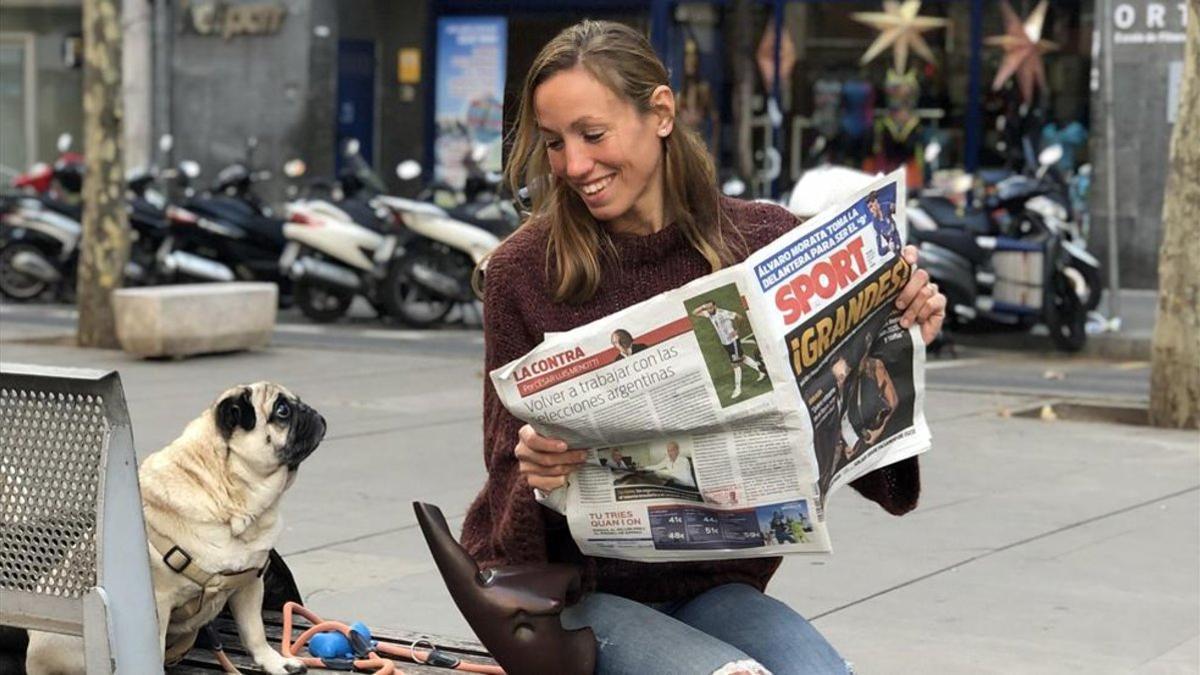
(811, 345)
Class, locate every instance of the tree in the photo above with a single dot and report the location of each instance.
(1175, 368)
(104, 249)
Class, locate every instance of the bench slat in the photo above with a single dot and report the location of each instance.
(204, 661)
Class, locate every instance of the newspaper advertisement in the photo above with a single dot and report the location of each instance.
(720, 416)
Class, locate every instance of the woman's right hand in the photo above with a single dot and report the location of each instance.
(545, 462)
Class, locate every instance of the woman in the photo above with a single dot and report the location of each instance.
(625, 207)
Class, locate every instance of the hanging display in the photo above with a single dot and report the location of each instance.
(765, 56)
(1023, 50)
(896, 134)
(900, 26)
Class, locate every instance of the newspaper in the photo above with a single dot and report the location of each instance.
(720, 416)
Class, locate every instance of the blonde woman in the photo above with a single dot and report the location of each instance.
(624, 207)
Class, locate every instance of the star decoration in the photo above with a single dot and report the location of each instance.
(900, 28)
(1023, 49)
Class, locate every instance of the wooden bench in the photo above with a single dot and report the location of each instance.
(71, 524)
(202, 661)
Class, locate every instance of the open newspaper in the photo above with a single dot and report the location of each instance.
(720, 416)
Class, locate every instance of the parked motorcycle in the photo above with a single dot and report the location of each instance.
(480, 201)
(1019, 205)
(432, 270)
(226, 234)
(1016, 279)
(1015, 271)
(40, 228)
(149, 227)
(38, 250)
(342, 246)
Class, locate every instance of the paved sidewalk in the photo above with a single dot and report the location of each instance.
(1039, 547)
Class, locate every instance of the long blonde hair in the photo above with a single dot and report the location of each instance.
(622, 59)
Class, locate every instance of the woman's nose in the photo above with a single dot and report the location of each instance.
(579, 164)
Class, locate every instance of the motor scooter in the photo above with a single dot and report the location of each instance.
(989, 279)
(1016, 273)
(40, 228)
(1016, 205)
(339, 247)
(227, 233)
(433, 269)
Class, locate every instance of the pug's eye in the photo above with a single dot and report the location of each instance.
(283, 410)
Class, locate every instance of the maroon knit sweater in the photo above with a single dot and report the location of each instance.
(505, 525)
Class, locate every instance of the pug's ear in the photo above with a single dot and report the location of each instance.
(234, 412)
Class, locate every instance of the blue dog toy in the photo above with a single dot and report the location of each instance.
(334, 645)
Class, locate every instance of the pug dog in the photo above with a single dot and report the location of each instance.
(211, 506)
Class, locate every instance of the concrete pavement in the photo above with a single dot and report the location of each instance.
(1038, 547)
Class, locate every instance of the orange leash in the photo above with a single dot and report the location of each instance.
(380, 665)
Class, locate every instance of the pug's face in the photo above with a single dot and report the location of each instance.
(267, 426)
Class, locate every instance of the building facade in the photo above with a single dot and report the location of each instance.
(301, 76)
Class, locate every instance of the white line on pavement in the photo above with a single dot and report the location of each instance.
(379, 333)
(302, 328)
(474, 335)
(955, 363)
(414, 335)
(36, 310)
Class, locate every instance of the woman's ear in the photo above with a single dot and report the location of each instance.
(662, 103)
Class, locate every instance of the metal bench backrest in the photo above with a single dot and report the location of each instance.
(73, 556)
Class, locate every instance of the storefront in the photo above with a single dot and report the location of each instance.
(478, 54)
(827, 97)
(836, 107)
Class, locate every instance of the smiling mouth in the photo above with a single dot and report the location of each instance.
(596, 187)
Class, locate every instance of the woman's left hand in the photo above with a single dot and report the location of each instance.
(920, 300)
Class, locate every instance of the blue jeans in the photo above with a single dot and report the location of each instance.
(726, 624)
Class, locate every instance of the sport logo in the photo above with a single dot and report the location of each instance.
(825, 279)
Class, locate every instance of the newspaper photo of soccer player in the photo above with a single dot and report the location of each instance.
(881, 206)
(729, 347)
(861, 395)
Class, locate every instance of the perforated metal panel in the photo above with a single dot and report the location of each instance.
(51, 445)
(73, 556)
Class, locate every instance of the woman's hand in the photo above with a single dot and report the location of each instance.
(920, 300)
(545, 462)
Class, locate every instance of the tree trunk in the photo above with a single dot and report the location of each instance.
(105, 245)
(1175, 371)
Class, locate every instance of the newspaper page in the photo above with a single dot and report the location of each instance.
(721, 415)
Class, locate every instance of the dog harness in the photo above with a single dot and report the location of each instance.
(180, 561)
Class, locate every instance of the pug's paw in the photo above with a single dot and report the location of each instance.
(278, 665)
(239, 524)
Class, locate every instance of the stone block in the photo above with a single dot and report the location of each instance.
(192, 319)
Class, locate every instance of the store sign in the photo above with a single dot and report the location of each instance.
(1149, 22)
(408, 65)
(213, 17)
(468, 106)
